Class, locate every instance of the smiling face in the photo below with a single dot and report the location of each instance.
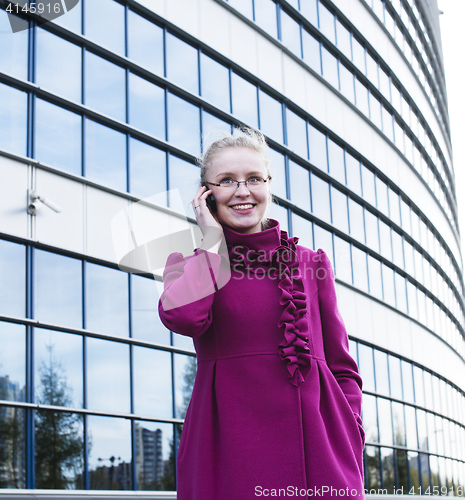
(241, 209)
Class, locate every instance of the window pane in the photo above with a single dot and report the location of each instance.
(336, 161)
(358, 55)
(346, 78)
(152, 385)
(13, 420)
(58, 449)
(371, 231)
(388, 285)
(359, 262)
(58, 137)
(145, 43)
(215, 82)
(382, 196)
(411, 427)
(357, 229)
(290, 34)
(343, 40)
(271, 118)
(265, 16)
(327, 25)
(146, 323)
(73, 19)
(405, 211)
(57, 289)
(320, 198)
(317, 148)
(154, 444)
(211, 123)
(185, 177)
(372, 70)
(365, 360)
(299, 185)
(109, 438)
(389, 474)
(58, 368)
(13, 279)
(375, 111)
(104, 24)
(387, 123)
(374, 274)
(354, 181)
(361, 97)
(342, 262)
(280, 214)
(296, 134)
(183, 124)
(397, 249)
(108, 97)
(303, 229)
(329, 65)
(385, 240)
(401, 292)
(13, 118)
(105, 155)
(414, 469)
(278, 172)
(385, 421)
(370, 418)
(382, 377)
(106, 300)
(58, 65)
(339, 210)
(107, 365)
(407, 380)
(311, 51)
(13, 56)
(324, 240)
(373, 468)
(185, 368)
(147, 169)
(395, 377)
(244, 100)
(309, 11)
(399, 424)
(146, 106)
(368, 184)
(182, 63)
(12, 364)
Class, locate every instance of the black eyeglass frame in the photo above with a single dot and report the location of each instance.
(240, 182)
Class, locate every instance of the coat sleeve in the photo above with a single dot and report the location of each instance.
(336, 340)
(185, 306)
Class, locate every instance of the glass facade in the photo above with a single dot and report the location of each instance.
(120, 106)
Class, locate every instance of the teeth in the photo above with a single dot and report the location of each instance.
(242, 207)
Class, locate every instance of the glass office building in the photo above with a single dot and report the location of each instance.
(107, 105)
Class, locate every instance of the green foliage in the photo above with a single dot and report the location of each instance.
(58, 438)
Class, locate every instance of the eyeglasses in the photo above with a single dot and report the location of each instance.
(251, 183)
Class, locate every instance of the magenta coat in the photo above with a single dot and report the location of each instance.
(276, 404)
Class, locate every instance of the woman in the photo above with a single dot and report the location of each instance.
(275, 409)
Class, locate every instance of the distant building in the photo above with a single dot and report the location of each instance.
(149, 456)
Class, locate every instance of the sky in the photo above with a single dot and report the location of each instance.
(453, 43)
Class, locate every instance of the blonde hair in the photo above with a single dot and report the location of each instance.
(243, 137)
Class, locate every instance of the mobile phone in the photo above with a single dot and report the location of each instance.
(211, 201)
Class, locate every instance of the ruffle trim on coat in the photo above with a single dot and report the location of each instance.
(282, 263)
